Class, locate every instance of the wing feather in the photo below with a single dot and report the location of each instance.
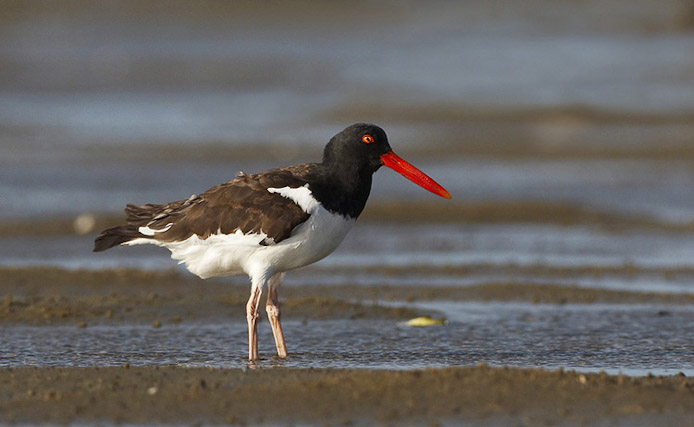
(243, 203)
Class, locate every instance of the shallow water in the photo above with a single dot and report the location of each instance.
(497, 250)
(651, 189)
(94, 105)
(82, 84)
(631, 339)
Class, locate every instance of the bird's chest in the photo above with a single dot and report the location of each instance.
(313, 240)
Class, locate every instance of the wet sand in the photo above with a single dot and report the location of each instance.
(348, 397)
(48, 295)
(175, 394)
(43, 296)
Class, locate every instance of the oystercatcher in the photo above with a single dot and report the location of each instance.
(267, 223)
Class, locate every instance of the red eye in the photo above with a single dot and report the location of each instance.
(367, 139)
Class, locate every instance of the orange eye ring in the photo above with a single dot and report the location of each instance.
(367, 139)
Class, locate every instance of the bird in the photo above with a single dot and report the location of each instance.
(271, 222)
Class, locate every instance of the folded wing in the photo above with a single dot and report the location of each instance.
(243, 203)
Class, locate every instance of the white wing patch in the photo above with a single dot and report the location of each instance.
(302, 196)
(151, 232)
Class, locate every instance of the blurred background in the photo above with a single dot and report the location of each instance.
(564, 130)
(559, 112)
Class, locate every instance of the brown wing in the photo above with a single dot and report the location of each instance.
(240, 204)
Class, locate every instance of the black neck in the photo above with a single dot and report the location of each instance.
(341, 188)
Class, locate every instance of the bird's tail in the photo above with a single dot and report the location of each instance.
(115, 236)
(136, 217)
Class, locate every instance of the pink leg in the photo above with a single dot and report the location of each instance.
(273, 314)
(252, 318)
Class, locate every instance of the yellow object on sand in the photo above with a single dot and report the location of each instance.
(425, 321)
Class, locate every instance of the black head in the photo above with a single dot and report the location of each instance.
(349, 161)
(358, 147)
(343, 181)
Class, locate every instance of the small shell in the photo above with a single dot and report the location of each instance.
(425, 321)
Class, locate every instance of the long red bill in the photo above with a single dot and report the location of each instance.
(410, 172)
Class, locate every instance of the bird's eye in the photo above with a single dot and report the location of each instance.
(367, 139)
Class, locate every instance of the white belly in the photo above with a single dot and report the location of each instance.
(228, 255)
